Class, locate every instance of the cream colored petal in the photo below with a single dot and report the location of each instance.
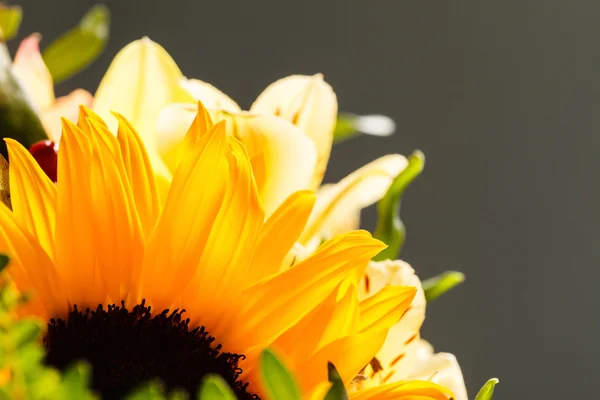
(283, 158)
(212, 97)
(398, 354)
(32, 73)
(440, 368)
(67, 107)
(310, 104)
(141, 80)
(358, 190)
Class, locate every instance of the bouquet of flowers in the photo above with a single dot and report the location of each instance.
(160, 242)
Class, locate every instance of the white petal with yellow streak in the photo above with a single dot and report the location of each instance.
(398, 354)
(440, 368)
(309, 103)
(338, 202)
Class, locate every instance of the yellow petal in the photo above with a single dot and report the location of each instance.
(140, 174)
(398, 354)
(212, 97)
(310, 104)
(232, 240)
(67, 107)
(119, 245)
(405, 390)
(440, 368)
(141, 81)
(31, 268)
(358, 190)
(283, 158)
(74, 240)
(349, 355)
(279, 234)
(333, 319)
(178, 128)
(191, 208)
(32, 73)
(33, 196)
(272, 306)
(385, 308)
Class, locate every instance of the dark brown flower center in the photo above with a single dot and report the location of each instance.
(128, 348)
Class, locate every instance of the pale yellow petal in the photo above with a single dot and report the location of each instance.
(33, 75)
(140, 175)
(141, 81)
(310, 104)
(358, 190)
(279, 234)
(33, 196)
(191, 208)
(212, 97)
(67, 107)
(283, 158)
(75, 242)
(405, 390)
(272, 306)
(30, 268)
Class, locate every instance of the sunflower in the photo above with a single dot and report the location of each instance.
(188, 285)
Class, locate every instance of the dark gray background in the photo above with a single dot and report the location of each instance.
(502, 96)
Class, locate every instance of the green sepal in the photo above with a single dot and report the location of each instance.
(337, 391)
(350, 125)
(390, 228)
(276, 378)
(10, 21)
(3, 261)
(76, 49)
(214, 387)
(487, 391)
(438, 285)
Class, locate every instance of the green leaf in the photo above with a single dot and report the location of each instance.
(350, 125)
(337, 391)
(76, 381)
(18, 119)
(10, 21)
(25, 331)
(438, 285)
(3, 261)
(487, 391)
(79, 47)
(390, 228)
(215, 388)
(149, 391)
(276, 378)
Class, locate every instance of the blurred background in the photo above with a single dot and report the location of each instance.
(502, 97)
